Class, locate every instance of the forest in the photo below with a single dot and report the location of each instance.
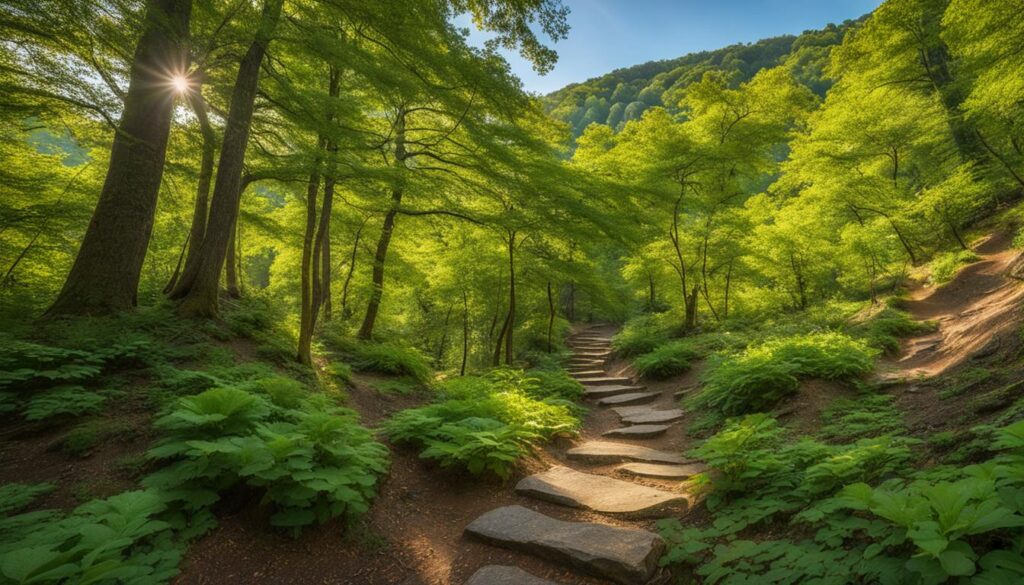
(315, 291)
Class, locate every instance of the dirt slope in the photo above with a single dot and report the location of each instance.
(976, 312)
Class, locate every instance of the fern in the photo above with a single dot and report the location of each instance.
(63, 401)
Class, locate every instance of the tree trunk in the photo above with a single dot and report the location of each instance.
(177, 267)
(465, 332)
(197, 289)
(501, 338)
(106, 272)
(377, 292)
(551, 316)
(1016, 176)
(651, 298)
(231, 265)
(444, 336)
(346, 312)
(509, 348)
(305, 285)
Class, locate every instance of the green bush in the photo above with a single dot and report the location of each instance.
(484, 425)
(884, 329)
(15, 496)
(640, 335)
(758, 377)
(121, 539)
(391, 358)
(945, 266)
(870, 415)
(312, 460)
(667, 360)
(62, 401)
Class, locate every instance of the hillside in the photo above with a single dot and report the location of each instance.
(624, 94)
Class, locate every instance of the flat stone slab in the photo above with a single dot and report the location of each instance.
(591, 337)
(662, 471)
(600, 493)
(637, 431)
(604, 381)
(576, 361)
(602, 391)
(631, 398)
(630, 410)
(625, 555)
(653, 417)
(610, 452)
(504, 575)
(587, 373)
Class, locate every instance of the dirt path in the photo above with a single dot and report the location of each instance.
(414, 534)
(975, 311)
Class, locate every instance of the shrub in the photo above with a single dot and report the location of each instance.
(313, 462)
(667, 360)
(871, 415)
(485, 424)
(639, 336)
(117, 540)
(756, 378)
(945, 266)
(340, 371)
(63, 401)
(391, 358)
(884, 329)
(15, 496)
(84, 438)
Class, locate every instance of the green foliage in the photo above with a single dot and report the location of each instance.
(311, 459)
(758, 377)
(63, 401)
(340, 371)
(885, 328)
(391, 358)
(484, 425)
(15, 496)
(82, 440)
(945, 266)
(965, 380)
(117, 540)
(666, 360)
(868, 415)
(639, 336)
(400, 386)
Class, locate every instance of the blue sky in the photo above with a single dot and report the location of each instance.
(609, 34)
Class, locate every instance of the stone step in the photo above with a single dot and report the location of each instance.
(578, 361)
(625, 555)
(602, 391)
(652, 417)
(505, 575)
(604, 381)
(610, 452)
(637, 431)
(631, 398)
(662, 471)
(593, 355)
(630, 410)
(600, 493)
(584, 336)
(590, 373)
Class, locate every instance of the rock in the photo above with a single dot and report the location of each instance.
(662, 471)
(588, 373)
(631, 398)
(637, 431)
(504, 575)
(653, 417)
(604, 381)
(602, 391)
(600, 493)
(610, 452)
(628, 410)
(625, 555)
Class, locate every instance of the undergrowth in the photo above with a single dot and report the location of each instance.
(485, 424)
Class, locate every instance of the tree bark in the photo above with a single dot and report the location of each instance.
(551, 316)
(304, 356)
(346, 312)
(198, 289)
(377, 292)
(231, 287)
(509, 348)
(465, 332)
(105, 275)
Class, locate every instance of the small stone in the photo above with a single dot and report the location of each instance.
(631, 398)
(637, 431)
(504, 575)
(653, 417)
(662, 471)
(625, 555)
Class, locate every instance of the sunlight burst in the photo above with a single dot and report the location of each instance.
(180, 83)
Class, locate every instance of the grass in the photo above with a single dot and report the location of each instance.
(885, 328)
(945, 265)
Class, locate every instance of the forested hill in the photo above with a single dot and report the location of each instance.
(624, 94)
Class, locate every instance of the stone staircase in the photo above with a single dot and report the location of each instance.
(620, 554)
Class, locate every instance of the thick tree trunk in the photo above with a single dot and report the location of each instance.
(377, 292)
(496, 361)
(198, 289)
(106, 272)
(231, 287)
